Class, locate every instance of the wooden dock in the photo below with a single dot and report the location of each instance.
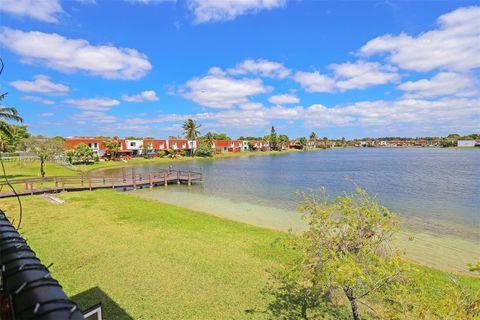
(79, 183)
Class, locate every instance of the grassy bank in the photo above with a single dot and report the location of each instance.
(148, 260)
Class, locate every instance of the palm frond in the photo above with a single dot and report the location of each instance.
(10, 114)
(6, 129)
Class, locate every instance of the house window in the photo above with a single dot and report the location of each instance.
(132, 144)
(161, 146)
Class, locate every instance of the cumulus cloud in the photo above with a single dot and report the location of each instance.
(442, 84)
(222, 92)
(226, 10)
(40, 84)
(143, 96)
(261, 67)
(347, 76)
(71, 55)
(37, 100)
(94, 116)
(315, 81)
(361, 75)
(43, 10)
(454, 45)
(93, 104)
(284, 99)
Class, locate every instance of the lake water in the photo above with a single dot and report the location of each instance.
(427, 187)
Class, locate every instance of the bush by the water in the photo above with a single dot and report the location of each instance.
(342, 267)
(204, 151)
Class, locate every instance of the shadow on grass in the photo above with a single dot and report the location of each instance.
(111, 310)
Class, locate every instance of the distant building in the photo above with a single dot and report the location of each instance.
(222, 146)
(466, 143)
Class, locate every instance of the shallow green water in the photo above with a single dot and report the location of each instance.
(435, 193)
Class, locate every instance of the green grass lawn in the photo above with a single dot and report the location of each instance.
(156, 261)
(149, 260)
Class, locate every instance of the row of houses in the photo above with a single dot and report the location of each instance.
(150, 147)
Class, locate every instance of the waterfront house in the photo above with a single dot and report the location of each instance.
(222, 146)
(155, 145)
(135, 146)
(95, 144)
(466, 143)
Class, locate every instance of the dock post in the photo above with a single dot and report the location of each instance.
(113, 184)
(134, 182)
(124, 174)
(82, 181)
(165, 178)
(189, 178)
(26, 185)
(178, 177)
(90, 184)
(63, 185)
(56, 183)
(31, 188)
(150, 179)
(103, 180)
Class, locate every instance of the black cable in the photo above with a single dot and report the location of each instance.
(20, 208)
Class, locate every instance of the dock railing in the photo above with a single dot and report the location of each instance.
(131, 180)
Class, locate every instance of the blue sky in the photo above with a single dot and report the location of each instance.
(339, 68)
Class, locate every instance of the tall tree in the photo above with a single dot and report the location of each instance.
(209, 139)
(313, 136)
(302, 142)
(44, 148)
(283, 140)
(190, 130)
(7, 113)
(273, 139)
(113, 146)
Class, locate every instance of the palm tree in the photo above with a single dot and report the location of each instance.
(7, 113)
(209, 139)
(190, 130)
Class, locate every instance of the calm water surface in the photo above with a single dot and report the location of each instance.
(440, 186)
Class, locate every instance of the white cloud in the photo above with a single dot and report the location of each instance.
(47, 114)
(442, 84)
(218, 91)
(37, 99)
(261, 67)
(361, 74)
(94, 116)
(251, 106)
(70, 55)
(143, 96)
(314, 81)
(347, 76)
(43, 10)
(454, 45)
(226, 10)
(93, 104)
(41, 84)
(284, 99)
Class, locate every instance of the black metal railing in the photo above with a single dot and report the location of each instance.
(27, 290)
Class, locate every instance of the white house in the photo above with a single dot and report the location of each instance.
(466, 143)
(245, 145)
(135, 146)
